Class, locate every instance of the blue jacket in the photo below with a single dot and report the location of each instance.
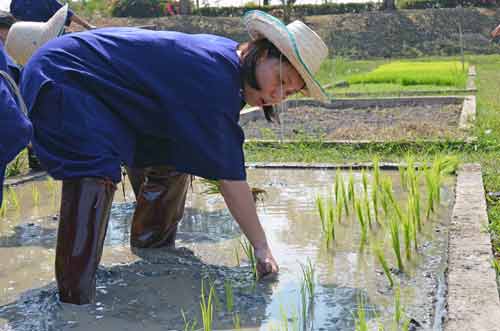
(15, 128)
(36, 10)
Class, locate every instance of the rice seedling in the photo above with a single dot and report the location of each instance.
(398, 309)
(362, 223)
(308, 278)
(350, 189)
(375, 198)
(189, 325)
(206, 307)
(496, 266)
(236, 321)
(35, 194)
(376, 173)
(228, 289)
(336, 185)
(303, 305)
(321, 210)
(249, 252)
(396, 246)
(211, 186)
(379, 253)
(430, 181)
(17, 166)
(3, 209)
(364, 180)
(330, 223)
(339, 205)
(407, 236)
(344, 197)
(360, 320)
(366, 206)
(14, 201)
(402, 177)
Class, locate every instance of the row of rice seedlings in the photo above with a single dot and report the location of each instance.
(228, 289)
(207, 307)
(249, 252)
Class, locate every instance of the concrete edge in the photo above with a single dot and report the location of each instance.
(468, 114)
(473, 300)
(471, 80)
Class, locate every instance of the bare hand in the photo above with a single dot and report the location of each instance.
(266, 264)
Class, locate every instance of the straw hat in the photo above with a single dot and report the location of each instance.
(302, 46)
(25, 38)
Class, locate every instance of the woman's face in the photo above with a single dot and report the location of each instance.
(274, 87)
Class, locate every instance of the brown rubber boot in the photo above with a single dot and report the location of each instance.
(136, 177)
(84, 215)
(159, 209)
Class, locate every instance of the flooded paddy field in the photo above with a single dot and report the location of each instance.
(361, 122)
(160, 289)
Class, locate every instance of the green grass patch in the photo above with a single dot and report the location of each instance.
(443, 73)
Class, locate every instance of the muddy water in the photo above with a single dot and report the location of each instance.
(147, 289)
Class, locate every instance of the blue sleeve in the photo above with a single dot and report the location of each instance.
(15, 129)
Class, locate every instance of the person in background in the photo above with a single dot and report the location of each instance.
(496, 32)
(6, 21)
(15, 128)
(42, 11)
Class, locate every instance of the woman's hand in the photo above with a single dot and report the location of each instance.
(266, 264)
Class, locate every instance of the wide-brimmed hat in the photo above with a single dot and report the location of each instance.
(302, 46)
(24, 38)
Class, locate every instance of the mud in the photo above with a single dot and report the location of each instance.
(148, 289)
(434, 121)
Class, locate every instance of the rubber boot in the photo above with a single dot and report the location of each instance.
(136, 177)
(160, 207)
(84, 215)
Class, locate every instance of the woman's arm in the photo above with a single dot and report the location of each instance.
(240, 202)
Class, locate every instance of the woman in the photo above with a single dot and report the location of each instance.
(42, 11)
(166, 105)
(15, 128)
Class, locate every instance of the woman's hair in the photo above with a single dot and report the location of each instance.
(6, 19)
(252, 51)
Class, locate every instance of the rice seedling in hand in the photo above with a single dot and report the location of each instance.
(228, 289)
(207, 307)
(379, 253)
(35, 194)
(308, 278)
(249, 252)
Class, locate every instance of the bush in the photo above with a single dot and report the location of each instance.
(138, 8)
(423, 4)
